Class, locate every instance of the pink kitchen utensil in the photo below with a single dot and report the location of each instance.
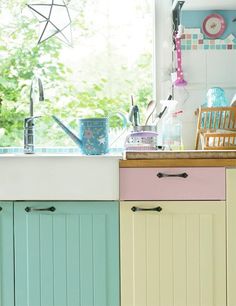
(180, 81)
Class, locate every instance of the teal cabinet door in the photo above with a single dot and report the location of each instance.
(6, 254)
(66, 254)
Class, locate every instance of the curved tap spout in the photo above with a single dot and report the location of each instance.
(36, 88)
(35, 84)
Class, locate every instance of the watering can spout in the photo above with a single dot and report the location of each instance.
(93, 135)
(68, 131)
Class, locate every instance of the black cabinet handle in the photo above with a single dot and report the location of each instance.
(158, 208)
(30, 209)
(161, 175)
(0, 208)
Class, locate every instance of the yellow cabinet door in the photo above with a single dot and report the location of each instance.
(231, 236)
(174, 255)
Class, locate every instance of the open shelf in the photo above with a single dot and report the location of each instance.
(209, 5)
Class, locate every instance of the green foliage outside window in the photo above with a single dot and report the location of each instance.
(21, 58)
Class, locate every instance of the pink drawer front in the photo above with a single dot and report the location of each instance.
(172, 183)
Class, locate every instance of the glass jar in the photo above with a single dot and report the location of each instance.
(216, 97)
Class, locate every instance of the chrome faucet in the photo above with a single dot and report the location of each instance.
(29, 122)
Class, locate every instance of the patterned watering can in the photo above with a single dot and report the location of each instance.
(93, 134)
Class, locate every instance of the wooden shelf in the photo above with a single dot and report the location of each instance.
(209, 5)
(145, 163)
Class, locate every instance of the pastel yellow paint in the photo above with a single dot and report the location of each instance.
(173, 257)
(231, 235)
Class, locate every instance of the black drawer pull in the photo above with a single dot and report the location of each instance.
(0, 208)
(158, 208)
(161, 175)
(30, 209)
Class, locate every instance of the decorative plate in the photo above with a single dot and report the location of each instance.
(214, 26)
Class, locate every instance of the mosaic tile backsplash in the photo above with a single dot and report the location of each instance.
(53, 150)
(193, 39)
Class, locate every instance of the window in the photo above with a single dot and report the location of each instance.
(112, 58)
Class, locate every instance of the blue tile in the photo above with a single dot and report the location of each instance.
(206, 47)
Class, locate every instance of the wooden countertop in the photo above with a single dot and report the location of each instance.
(226, 158)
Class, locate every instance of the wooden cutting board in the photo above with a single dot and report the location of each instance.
(185, 154)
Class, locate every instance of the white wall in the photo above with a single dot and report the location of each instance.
(203, 69)
(163, 48)
(209, 4)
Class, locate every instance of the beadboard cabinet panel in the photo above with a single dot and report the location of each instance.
(176, 257)
(6, 254)
(231, 235)
(68, 257)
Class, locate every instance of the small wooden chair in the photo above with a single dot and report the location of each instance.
(216, 128)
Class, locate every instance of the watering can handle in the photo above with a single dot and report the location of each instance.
(121, 116)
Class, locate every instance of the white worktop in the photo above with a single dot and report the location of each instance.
(79, 177)
(59, 177)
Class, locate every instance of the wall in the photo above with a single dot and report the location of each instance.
(206, 63)
(193, 19)
(163, 48)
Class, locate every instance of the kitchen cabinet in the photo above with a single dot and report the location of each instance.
(173, 235)
(175, 255)
(231, 237)
(68, 256)
(183, 183)
(65, 254)
(6, 254)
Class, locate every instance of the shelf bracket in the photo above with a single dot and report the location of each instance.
(176, 8)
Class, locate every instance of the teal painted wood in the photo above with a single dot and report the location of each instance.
(6, 255)
(69, 257)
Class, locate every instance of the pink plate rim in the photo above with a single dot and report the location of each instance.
(223, 26)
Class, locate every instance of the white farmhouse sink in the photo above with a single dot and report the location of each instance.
(58, 175)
